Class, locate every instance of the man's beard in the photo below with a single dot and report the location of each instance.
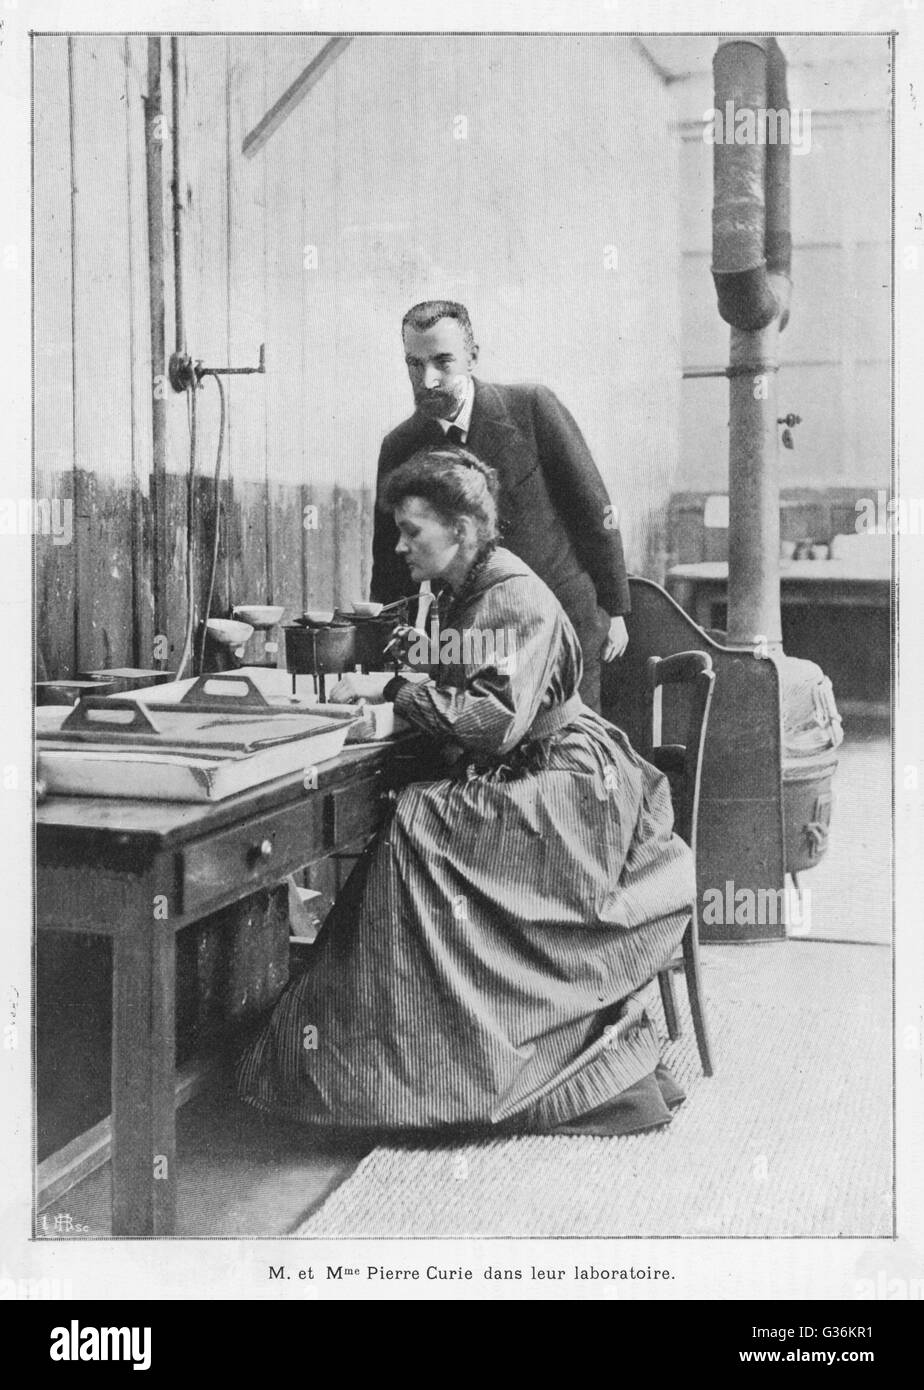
(442, 405)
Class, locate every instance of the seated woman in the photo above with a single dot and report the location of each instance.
(487, 961)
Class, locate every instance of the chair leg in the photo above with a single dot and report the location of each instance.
(695, 992)
(670, 1008)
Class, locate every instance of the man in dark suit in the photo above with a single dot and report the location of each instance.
(554, 510)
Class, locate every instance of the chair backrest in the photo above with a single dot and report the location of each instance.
(682, 763)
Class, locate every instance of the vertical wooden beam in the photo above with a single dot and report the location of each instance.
(232, 529)
(141, 372)
(367, 512)
(294, 94)
(304, 419)
(73, 287)
(304, 500)
(204, 115)
(154, 171)
(284, 385)
(136, 538)
(179, 326)
(269, 457)
(335, 522)
(247, 329)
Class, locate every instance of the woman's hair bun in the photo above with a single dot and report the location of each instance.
(454, 481)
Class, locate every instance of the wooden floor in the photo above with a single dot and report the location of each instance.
(241, 1174)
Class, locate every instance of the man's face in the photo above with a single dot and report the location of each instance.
(439, 365)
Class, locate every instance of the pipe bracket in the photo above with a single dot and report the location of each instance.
(752, 369)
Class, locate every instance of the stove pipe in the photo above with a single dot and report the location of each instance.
(751, 259)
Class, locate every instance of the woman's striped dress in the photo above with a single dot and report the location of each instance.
(486, 962)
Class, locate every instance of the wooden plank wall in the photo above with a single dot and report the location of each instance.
(361, 203)
(243, 285)
(56, 577)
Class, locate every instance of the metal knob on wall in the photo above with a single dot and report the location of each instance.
(789, 421)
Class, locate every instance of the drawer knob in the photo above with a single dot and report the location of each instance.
(265, 849)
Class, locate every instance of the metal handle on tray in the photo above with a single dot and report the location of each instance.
(81, 716)
(250, 698)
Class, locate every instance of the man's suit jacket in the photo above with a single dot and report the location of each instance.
(553, 506)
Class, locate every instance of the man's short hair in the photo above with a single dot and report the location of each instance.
(430, 311)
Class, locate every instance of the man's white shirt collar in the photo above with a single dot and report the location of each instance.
(462, 422)
(464, 417)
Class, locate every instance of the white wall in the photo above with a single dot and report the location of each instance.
(835, 353)
(569, 150)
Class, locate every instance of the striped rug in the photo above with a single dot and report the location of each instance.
(792, 1137)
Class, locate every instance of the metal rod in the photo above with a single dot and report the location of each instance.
(229, 371)
(754, 492)
(389, 607)
(200, 370)
(294, 94)
(177, 203)
(745, 369)
(75, 473)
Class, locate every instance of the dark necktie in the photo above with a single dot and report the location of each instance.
(454, 435)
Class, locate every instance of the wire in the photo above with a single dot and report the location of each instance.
(217, 532)
(190, 507)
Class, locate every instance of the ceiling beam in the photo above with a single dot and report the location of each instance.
(293, 95)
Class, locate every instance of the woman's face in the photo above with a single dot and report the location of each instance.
(427, 544)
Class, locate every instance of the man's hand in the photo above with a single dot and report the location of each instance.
(617, 639)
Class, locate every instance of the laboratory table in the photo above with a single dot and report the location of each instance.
(137, 872)
(837, 613)
(803, 583)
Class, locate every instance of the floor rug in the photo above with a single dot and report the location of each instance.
(791, 1137)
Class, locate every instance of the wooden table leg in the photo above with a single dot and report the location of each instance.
(143, 1080)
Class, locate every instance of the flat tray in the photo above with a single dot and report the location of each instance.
(165, 774)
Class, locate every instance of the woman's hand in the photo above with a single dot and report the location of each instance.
(352, 688)
(407, 646)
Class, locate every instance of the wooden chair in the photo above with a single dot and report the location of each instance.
(682, 764)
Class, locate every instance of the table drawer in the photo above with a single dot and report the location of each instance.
(266, 849)
(354, 811)
(250, 856)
